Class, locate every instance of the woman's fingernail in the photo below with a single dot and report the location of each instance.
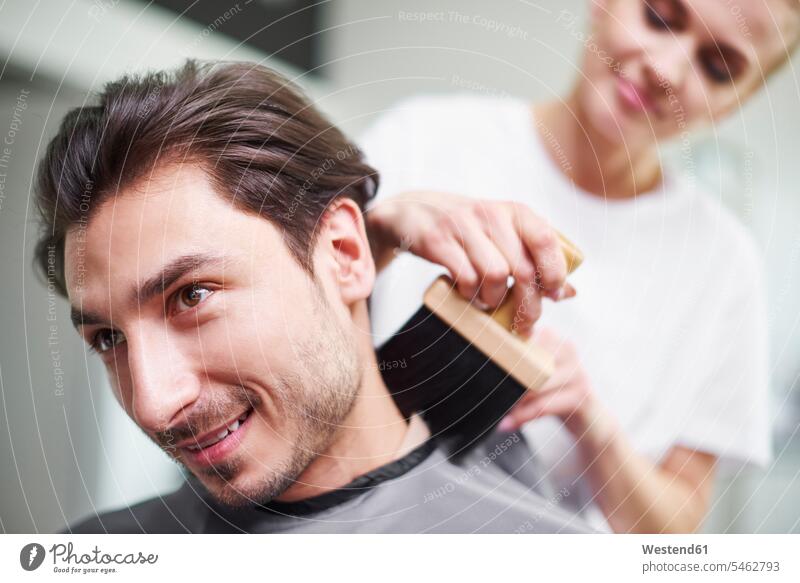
(507, 424)
(564, 293)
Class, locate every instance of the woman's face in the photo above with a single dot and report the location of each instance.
(654, 68)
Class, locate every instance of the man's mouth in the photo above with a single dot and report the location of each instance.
(215, 445)
(221, 434)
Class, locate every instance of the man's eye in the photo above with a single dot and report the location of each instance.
(190, 296)
(106, 339)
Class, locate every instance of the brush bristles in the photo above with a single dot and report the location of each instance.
(460, 392)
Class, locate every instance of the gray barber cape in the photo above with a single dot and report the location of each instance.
(494, 488)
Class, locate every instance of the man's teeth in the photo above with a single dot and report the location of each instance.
(219, 436)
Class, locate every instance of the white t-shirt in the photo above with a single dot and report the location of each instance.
(669, 320)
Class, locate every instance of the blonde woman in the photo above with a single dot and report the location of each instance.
(661, 358)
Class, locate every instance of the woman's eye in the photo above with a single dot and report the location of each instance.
(191, 296)
(719, 68)
(654, 19)
(665, 14)
(106, 339)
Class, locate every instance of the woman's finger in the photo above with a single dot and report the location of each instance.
(557, 402)
(487, 261)
(526, 296)
(542, 243)
(450, 254)
(528, 307)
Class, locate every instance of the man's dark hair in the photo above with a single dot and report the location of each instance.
(256, 136)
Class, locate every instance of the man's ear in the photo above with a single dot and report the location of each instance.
(345, 252)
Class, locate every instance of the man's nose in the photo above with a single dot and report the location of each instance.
(163, 381)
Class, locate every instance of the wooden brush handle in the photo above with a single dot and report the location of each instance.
(572, 254)
(505, 312)
(491, 333)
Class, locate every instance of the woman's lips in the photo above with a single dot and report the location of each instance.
(216, 451)
(633, 98)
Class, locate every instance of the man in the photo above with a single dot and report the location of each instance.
(207, 228)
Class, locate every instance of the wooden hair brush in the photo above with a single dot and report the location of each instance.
(464, 368)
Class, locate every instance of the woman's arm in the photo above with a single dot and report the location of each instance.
(639, 496)
(480, 242)
(635, 494)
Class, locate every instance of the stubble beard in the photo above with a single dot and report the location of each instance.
(328, 385)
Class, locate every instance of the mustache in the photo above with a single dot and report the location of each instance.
(209, 414)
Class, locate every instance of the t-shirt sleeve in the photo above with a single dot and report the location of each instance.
(397, 145)
(728, 412)
(393, 145)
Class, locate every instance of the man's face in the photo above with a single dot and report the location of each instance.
(218, 344)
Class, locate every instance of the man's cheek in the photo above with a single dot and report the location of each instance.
(269, 440)
(121, 384)
(236, 350)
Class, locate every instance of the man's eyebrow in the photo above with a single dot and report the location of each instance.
(172, 272)
(80, 318)
(154, 285)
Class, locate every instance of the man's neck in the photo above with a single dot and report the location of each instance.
(373, 434)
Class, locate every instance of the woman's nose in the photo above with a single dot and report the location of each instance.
(668, 63)
(162, 380)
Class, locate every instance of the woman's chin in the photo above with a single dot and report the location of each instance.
(615, 126)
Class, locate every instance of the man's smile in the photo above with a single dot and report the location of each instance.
(213, 446)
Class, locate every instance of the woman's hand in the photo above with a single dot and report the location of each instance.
(481, 243)
(635, 494)
(567, 394)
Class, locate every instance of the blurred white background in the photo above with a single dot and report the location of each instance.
(66, 449)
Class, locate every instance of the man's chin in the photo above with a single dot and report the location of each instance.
(238, 490)
(234, 497)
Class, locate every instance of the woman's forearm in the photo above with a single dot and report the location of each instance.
(635, 494)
